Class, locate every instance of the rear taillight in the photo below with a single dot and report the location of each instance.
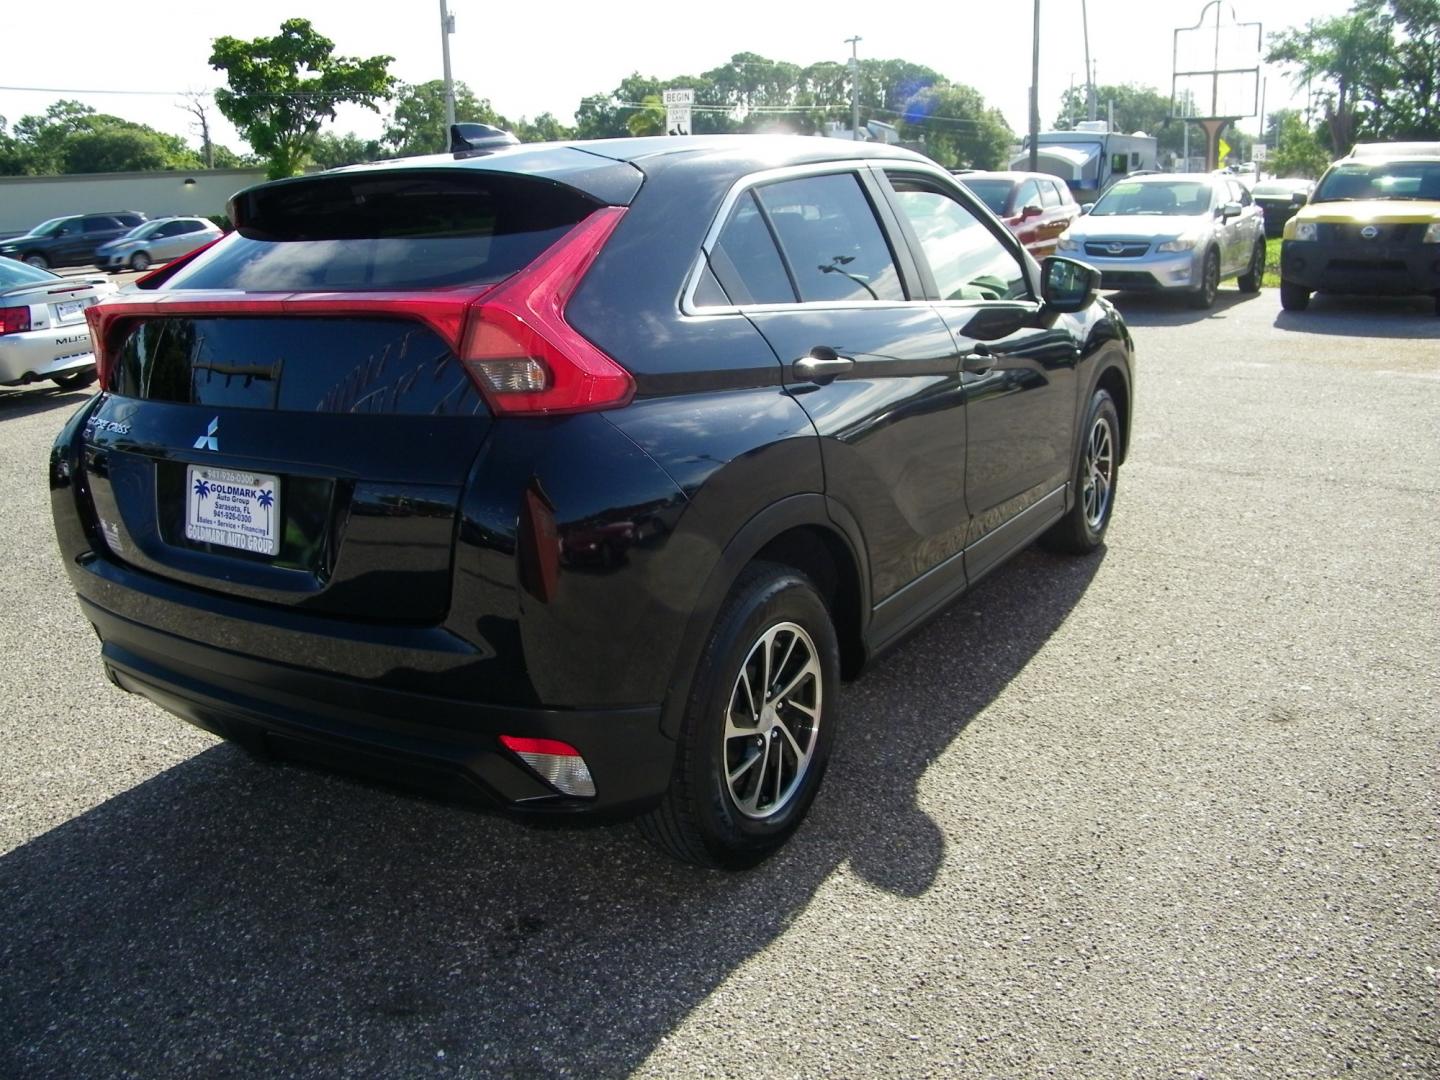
(523, 355)
(14, 320)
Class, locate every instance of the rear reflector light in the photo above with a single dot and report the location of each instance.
(524, 356)
(14, 320)
(559, 764)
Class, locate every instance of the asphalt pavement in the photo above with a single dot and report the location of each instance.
(1166, 811)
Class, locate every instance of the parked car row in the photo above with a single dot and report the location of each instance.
(116, 240)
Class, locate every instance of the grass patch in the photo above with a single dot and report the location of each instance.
(1271, 280)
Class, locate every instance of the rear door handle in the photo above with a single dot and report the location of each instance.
(977, 361)
(822, 369)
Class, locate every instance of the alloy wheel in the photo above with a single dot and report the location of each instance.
(1099, 472)
(772, 721)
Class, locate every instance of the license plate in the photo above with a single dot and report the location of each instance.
(236, 509)
(68, 309)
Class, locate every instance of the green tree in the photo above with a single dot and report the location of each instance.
(1346, 54)
(418, 124)
(649, 119)
(605, 116)
(125, 147)
(544, 128)
(281, 89)
(225, 158)
(1297, 151)
(332, 151)
(957, 126)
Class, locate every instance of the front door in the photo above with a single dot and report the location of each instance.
(1017, 367)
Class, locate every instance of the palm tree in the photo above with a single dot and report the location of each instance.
(266, 499)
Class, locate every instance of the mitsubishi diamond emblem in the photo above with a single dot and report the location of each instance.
(1369, 232)
(1115, 249)
(208, 441)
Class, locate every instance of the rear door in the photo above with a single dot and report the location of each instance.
(1017, 368)
(287, 419)
(806, 259)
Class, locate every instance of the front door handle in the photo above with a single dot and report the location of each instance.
(822, 369)
(977, 361)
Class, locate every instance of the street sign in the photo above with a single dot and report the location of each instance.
(677, 111)
(1260, 153)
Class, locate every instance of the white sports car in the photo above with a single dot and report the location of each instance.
(43, 333)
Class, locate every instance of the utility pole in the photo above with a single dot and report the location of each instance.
(1035, 96)
(447, 27)
(854, 43)
(1089, 71)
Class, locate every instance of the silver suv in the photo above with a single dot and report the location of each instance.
(1172, 231)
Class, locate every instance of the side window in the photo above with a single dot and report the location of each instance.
(745, 261)
(830, 239)
(1239, 193)
(100, 224)
(966, 259)
(1048, 195)
(190, 226)
(1028, 195)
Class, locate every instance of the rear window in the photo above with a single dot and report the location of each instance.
(385, 231)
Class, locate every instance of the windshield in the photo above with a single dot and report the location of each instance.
(993, 193)
(1167, 198)
(1279, 188)
(45, 228)
(1384, 180)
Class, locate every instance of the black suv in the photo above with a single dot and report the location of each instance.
(70, 241)
(576, 477)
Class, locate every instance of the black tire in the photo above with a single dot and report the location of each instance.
(140, 261)
(1082, 529)
(1249, 281)
(38, 261)
(1294, 297)
(1203, 297)
(702, 818)
(76, 380)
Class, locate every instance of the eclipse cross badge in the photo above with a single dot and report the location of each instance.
(1369, 232)
(209, 441)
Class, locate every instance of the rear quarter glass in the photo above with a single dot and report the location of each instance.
(386, 231)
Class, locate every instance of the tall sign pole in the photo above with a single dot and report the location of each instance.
(854, 42)
(1035, 96)
(1218, 65)
(1089, 69)
(447, 27)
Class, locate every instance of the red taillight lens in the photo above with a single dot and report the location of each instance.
(524, 356)
(14, 320)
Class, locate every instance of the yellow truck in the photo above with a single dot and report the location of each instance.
(1372, 226)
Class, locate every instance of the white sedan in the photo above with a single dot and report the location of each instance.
(43, 333)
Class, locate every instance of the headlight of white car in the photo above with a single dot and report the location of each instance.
(1432, 233)
(1305, 230)
(1067, 243)
(1180, 243)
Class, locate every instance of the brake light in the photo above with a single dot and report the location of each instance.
(523, 355)
(14, 320)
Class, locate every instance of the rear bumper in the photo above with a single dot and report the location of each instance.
(1374, 269)
(42, 354)
(438, 746)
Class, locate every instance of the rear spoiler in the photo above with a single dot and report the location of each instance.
(465, 138)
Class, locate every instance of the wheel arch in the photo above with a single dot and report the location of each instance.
(1114, 381)
(809, 533)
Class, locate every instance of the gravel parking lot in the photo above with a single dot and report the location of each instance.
(1169, 811)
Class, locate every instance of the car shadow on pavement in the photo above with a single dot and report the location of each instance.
(1364, 316)
(1166, 309)
(29, 401)
(229, 918)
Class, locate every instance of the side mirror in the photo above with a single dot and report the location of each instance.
(1067, 285)
(1086, 207)
(1230, 210)
(1030, 211)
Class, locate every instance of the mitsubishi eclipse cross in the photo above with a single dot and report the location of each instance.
(574, 478)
